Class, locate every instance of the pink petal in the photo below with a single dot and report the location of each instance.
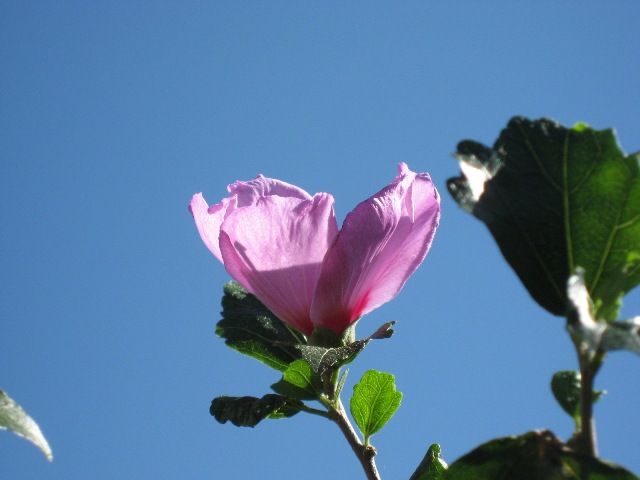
(381, 243)
(208, 220)
(249, 192)
(275, 250)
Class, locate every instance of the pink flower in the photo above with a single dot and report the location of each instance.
(283, 245)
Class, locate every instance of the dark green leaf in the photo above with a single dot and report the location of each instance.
(598, 335)
(322, 358)
(249, 411)
(533, 456)
(297, 382)
(14, 418)
(565, 386)
(374, 401)
(556, 198)
(566, 389)
(249, 327)
(432, 466)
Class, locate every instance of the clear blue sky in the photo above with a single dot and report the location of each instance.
(114, 113)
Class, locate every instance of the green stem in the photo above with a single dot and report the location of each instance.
(315, 411)
(589, 366)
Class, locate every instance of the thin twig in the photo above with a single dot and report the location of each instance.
(366, 455)
(315, 411)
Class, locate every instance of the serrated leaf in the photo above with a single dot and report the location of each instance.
(555, 198)
(374, 401)
(250, 328)
(598, 334)
(14, 418)
(249, 411)
(432, 466)
(297, 382)
(532, 456)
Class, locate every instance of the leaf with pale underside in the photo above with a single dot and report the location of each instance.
(557, 198)
(598, 334)
(250, 328)
(14, 418)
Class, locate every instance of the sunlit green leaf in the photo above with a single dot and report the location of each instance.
(432, 466)
(297, 382)
(14, 418)
(557, 198)
(374, 401)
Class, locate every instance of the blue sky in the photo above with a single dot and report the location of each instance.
(114, 113)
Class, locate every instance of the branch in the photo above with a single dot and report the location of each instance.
(365, 454)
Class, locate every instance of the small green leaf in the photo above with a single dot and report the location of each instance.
(297, 382)
(555, 198)
(14, 418)
(432, 466)
(565, 386)
(533, 456)
(374, 401)
(249, 327)
(249, 411)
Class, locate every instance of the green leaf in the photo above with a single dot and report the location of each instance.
(598, 334)
(249, 327)
(249, 411)
(432, 466)
(322, 359)
(533, 456)
(555, 198)
(566, 388)
(14, 418)
(297, 382)
(374, 401)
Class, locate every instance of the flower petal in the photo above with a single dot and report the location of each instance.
(249, 192)
(275, 250)
(208, 220)
(382, 242)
